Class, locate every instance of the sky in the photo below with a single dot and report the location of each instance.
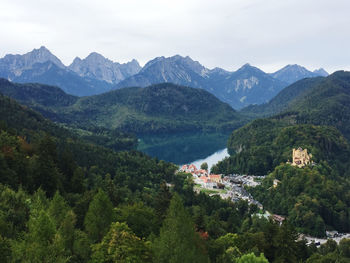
(268, 34)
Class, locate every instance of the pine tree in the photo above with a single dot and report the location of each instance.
(99, 216)
(162, 200)
(121, 245)
(251, 258)
(41, 243)
(58, 209)
(45, 172)
(178, 241)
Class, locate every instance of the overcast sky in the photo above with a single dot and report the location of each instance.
(218, 33)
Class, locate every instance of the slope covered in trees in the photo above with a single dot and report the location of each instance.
(263, 144)
(65, 200)
(154, 109)
(319, 101)
(31, 124)
(314, 198)
(283, 99)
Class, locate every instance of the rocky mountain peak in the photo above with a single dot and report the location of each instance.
(292, 73)
(95, 57)
(155, 61)
(14, 65)
(219, 71)
(248, 69)
(182, 64)
(97, 66)
(321, 72)
(41, 55)
(295, 67)
(246, 65)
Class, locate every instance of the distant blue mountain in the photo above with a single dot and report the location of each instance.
(293, 73)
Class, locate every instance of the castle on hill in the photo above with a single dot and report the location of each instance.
(301, 157)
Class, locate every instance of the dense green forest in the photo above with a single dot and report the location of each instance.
(314, 198)
(260, 146)
(31, 124)
(65, 199)
(319, 101)
(161, 108)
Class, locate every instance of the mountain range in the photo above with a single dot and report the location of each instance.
(96, 74)
(245, 86)
(92, 75)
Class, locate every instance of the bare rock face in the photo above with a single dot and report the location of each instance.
(248, 85)
(14, 65)
(321, 72)
(93, 75)
(98, 67)
(96, 74)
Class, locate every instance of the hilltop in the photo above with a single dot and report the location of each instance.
(319, 101)
(154, 109)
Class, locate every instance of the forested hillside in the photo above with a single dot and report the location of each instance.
(314, 198)
(65, 200)
(156, 109)
(283, 99)
(319, 101)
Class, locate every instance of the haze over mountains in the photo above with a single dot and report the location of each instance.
(96, 74)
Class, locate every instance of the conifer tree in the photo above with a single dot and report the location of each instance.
(251, 258)
(162, 200)
(178, 241)
(120, 244)
(99, 216)
(58, 209)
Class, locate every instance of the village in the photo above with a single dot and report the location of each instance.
(229, 186)
(232, 186)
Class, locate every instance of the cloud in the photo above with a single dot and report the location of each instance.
(224, 33)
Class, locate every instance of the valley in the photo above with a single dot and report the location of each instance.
(121, 147)
(174, 131)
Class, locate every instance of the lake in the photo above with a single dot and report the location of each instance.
(212, 159)
(184, 148)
